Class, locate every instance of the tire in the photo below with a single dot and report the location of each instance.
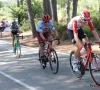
(80, 64)
(18, 51)
(94, 69)
(53, 60)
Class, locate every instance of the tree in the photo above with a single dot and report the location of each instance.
(47, 9)
(68, 10)
(54, 10)
(31, 17)
(74, 12)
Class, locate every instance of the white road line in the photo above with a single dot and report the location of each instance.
(18, 81)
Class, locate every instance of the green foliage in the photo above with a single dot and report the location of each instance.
(61, 2)
(88, 31)
(1, 4)
(37, 8)
(62, 14)
(96, 22)
(25, 26)
(62, 31)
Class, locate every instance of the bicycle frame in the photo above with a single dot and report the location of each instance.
(15, 41)
(49, 45)
(90, 56)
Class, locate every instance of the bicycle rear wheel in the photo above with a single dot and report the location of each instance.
(53, 60)
(18, 51)
(94, 68)
(80, 66)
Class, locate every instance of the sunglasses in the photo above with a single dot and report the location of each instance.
(85, 19)
(46, 22)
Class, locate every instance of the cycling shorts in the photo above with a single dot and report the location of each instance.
(46, 35)
(81, 35)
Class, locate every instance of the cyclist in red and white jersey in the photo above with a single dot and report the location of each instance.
(77, 35)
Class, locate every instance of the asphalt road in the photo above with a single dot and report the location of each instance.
(25, 73)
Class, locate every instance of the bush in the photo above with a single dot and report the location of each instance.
(62, 31)
(96, 22)
(25, 26)
(88, 31)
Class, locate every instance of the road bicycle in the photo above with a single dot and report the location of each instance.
(50, 56)
(91, 61)
(17, 47)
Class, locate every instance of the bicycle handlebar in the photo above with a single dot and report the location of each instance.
(92, 43)
(54, 40)
(19, 36)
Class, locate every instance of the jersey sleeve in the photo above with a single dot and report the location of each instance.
(91, 25)
(39, 27)
(74, 26)
(52, 25)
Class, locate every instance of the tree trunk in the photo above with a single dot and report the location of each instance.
(47, 9)
(54, 10)
(74, 8)
(18, 5)
(31, 17)
(21, 2)
(68, 10)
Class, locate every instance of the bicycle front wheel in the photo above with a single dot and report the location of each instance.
(53, 60)
(71, 58)
(18, 51)
(94, 68)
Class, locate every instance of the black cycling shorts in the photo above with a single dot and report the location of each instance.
(81, 35)
(14, 32)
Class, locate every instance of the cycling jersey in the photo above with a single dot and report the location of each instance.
(75, 24)
(14, 30)
(41, 27)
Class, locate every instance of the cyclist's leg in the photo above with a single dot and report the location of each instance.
(12, 35)
(77, 45)
(18, 38)
(41, 48)
(76, 52)
(12, 42)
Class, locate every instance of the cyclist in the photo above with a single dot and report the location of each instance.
(43, 33)
(15, 30)
(77, 35)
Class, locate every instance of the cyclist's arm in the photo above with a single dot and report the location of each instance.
(93, 30)
(41, 35)
(53, 28)
(19, 31)
(76, 34)
(55, 33)
(96, 35)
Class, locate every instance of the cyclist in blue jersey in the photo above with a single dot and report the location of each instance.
(43, 34)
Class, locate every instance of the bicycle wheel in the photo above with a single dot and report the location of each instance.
(94, 68)
(53, 60)
(80, 66)
(18, 51)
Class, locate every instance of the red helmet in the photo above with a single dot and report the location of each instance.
(85, 14)
(46, 18)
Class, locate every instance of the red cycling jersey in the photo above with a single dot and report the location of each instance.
(75, 24)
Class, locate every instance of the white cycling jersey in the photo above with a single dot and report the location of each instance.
(75, 24)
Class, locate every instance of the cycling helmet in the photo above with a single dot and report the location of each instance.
(46, 18)
(14, 23)
(85, 14)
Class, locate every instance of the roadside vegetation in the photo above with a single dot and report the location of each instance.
(11, 11)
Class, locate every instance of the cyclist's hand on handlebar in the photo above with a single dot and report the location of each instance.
(58, 40)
